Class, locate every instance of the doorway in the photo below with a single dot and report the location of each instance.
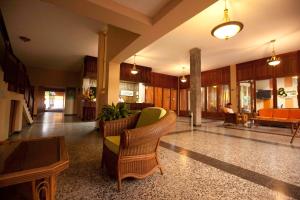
(54, 101)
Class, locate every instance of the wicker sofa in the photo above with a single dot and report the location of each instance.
(130, 151)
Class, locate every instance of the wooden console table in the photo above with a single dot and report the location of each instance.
(35, 162)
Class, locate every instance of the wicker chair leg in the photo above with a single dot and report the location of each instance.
(102, 161)
(159, 166)
(161, 171)
(119, 184)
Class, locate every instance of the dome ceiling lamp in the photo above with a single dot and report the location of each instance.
(228, 29)
(274, 60)
(183, 79)
(134, 70)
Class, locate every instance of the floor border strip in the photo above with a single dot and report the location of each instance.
(254, 177)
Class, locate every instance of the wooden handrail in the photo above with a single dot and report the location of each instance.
(15, 73)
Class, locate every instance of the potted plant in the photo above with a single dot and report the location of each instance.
(111, 114)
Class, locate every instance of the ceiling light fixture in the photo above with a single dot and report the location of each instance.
(183, 79)
(227, 29)
(274, 60)
(134, 70)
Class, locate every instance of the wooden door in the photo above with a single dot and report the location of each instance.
(183, 100)
(149, 94)
(173, 99)
(158, 96)
(166, 98)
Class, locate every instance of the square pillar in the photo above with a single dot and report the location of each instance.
(195, 85)
(108, 76)
(233, 88)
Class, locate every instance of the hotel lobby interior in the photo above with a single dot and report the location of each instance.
(138, 99)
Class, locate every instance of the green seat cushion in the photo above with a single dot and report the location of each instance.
(150, 115)
(112, 143)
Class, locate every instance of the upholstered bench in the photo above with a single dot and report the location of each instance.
(290, 117)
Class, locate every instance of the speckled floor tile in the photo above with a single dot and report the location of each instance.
(184, 177)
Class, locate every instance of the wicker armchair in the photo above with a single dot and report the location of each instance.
(137, 153)
(235, 118)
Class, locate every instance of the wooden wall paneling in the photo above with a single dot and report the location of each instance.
(149, 94)
(254, 96)
(289, 65)
(163, 80)
(299, 86)
(166, 98)
(158, 96)
(144, 75)
(274, 82)
(173, 99)
(183, 100)
(245, 71)
(219, 76)
(262, 70)
(90, 67)
(186, 84)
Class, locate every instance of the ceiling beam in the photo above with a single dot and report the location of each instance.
(109, 12)
(171, 16)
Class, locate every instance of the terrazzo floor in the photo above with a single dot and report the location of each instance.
(207, 162)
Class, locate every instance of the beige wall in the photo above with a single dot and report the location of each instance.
(117, 40)
(5, 102)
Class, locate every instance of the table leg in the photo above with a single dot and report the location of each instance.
(52, 187)
(294, 133)
(34, 194)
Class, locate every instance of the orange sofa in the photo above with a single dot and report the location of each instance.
(290, 117)
(273, 113)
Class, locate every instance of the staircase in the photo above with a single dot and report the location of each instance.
(27, 114)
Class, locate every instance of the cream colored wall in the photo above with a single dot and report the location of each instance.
(117, 40)
(113, 83)
(5, 101)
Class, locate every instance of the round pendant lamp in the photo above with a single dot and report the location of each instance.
(274, 60)
(134, 70)
(228, 29)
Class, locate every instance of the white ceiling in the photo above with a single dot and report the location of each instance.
(263, 21)
(59, 38)
(146, 7)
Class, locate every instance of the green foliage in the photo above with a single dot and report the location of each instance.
(113, 112)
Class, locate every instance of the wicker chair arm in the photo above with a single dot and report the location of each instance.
(116, 127)
(145, 134)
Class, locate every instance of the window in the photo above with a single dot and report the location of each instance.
(224, 96)
(245, 97)
(264, 94)
(212, 99)
(287, 92)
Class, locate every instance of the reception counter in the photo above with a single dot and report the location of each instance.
(139, 106)
(88, 110)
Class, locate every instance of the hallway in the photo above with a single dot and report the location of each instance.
(210, 162)
(55, 117)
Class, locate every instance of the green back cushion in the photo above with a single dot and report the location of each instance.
(150, 115)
